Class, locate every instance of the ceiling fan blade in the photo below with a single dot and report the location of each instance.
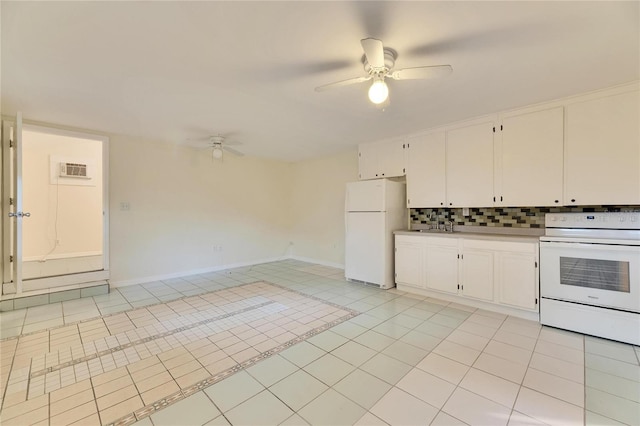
(419, 73)
(233, 151)
(374, 51)
(343, 83)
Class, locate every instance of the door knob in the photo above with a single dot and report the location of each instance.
(19, 214)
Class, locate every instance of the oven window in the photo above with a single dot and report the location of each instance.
(610, 275)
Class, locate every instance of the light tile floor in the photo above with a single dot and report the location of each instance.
(404, 359)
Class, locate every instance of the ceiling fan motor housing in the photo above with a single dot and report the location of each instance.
(390, 57)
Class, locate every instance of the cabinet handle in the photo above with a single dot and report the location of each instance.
(383, 174)
(556, 201)
(442, 204)
(450, 204)
(573, 200)
(501, 198)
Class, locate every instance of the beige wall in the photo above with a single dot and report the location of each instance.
(60, 210)
(183, 204)
(317, 206)
(190, 213)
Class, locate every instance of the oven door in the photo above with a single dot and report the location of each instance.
(593, 274)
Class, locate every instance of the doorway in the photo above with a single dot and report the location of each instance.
(55, 231)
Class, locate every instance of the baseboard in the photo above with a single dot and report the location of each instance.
(317, 261)
(150, 278)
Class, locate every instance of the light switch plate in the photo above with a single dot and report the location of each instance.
(465, 211)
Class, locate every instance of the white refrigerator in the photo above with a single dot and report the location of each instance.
(374, 209)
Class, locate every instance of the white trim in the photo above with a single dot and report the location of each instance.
(151, 278)
(68, 279)
(39, 292)
(317, 261)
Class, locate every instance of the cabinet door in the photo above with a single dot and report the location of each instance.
(516, 277)
(470, 166)
(477, 274)
(409, 263)
(442, 268)
(602, 151)
(367, 161)
(426, 171)
(531, 166)
(391, 158)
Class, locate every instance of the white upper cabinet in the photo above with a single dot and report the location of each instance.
(602, 150)
(367, 161)
(381, 159)
(469, 165)
(529, 169)
(426, 184)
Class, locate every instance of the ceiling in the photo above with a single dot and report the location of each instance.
(169, 71)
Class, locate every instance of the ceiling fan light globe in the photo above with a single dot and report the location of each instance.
(378, 92)
(217, 153)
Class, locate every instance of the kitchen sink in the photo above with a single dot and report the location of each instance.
(433, 231)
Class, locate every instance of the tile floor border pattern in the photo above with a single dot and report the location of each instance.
(150, 409)
(183, 393)
(335, 305)
(148, 339)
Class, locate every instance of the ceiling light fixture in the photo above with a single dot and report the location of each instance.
(378, 92)
(217, 152)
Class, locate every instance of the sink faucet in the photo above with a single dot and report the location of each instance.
(450, 224)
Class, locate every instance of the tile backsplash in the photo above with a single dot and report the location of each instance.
(507, 217)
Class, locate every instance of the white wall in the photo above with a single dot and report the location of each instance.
(183, 203)
(317, 206)
(60, 210)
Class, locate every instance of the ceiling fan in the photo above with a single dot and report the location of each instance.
(378, 63)
(218, 144)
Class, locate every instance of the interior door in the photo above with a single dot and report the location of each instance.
(12, 205)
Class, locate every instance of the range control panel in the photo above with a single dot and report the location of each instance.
(601, 220)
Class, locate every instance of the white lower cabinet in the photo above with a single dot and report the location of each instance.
(496, 271)
(409, 261)
(442, 264)
(476, 266)
(517, 277)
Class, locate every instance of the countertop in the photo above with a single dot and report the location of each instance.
(503, 234)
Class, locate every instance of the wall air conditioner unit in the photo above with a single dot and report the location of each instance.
(73, 170)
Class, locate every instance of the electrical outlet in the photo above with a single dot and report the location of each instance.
(125, 206)
(465, 211)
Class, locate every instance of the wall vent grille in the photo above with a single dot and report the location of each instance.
(73, 170)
